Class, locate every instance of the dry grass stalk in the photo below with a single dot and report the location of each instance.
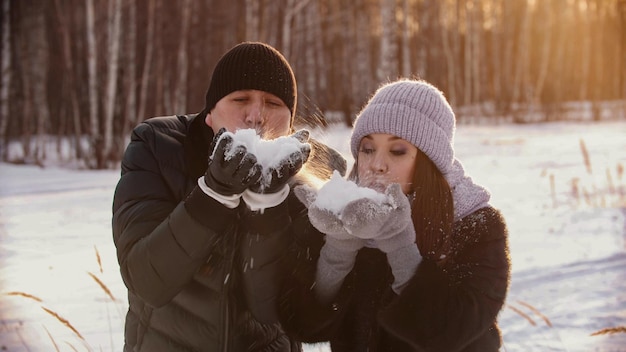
(102, 285)
(583, 149)
(56, 348)
(536, 311)
(609, 179)
(98, 259)
(576, 190)
(63, 321)
(522, 314)
(23, 294)
(610, 331)
(71, 346)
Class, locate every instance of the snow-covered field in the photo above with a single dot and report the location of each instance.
(60, 289)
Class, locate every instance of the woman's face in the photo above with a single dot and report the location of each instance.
(384, 159)
(256, 109)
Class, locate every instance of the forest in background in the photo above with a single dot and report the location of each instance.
(87, 71)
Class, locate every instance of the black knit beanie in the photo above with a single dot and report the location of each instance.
(252, 65)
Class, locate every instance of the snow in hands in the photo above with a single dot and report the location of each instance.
(271, 154)
(337, 192)
(345, 209)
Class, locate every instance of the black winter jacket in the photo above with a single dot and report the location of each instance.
(200, 276)
(447, 308)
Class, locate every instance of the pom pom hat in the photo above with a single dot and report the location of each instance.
(252, 65)
(412, 110)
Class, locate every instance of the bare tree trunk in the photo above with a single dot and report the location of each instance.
(546, 50)
(364, 80)
(622, 36)
(6, 79)
(406, 39)
(180, 92)
(92, 78)
(448, 23)
(253, 15)
(585, 50)
(388, 68)
(69, 78)
(496, 55)
(40, 80)
(478, 52)
(521, 68)
(311, 22)
(467, 57)
(147, 64)
(293, 8)
(130, 57)
(113, 55)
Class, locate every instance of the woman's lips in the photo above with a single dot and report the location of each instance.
(377, 186)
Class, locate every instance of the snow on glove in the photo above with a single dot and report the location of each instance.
(328, 222)
(231, 168)
(370, 218)
(276, 176)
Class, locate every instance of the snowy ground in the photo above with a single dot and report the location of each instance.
(60, 288)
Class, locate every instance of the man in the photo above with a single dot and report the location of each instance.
(200, 233)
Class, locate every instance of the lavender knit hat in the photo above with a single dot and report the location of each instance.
(415, 111)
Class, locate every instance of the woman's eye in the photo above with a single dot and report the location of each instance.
(398, 152)
(366, 150)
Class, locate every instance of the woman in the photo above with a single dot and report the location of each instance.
(428, 268)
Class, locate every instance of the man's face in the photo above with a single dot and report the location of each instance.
(256, 109)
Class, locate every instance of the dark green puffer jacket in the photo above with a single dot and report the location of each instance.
(200, 276)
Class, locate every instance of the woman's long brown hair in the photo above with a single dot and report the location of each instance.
(432, 210)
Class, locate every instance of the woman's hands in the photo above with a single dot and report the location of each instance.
(363, 220)
(382, 223)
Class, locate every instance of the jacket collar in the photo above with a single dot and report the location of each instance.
(199, 137)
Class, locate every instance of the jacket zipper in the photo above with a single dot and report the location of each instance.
(227, 286)
(226, 309)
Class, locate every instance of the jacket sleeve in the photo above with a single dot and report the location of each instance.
(447, 308)
(160, 243)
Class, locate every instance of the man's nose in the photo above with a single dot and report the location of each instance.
(255, 115)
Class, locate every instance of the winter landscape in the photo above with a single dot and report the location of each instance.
(560, 186)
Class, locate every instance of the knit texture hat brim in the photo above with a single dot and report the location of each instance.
(252, 65)
(415, 111)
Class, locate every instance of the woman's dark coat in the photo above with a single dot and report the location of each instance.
(195, 281)
(447, 307)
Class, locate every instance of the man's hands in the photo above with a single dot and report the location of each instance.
(276, 177)
(231, 169)
(233, 166)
